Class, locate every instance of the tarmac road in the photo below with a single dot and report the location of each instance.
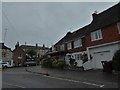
(19, 78)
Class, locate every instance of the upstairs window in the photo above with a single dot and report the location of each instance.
(118, 26)
(53, 48)
(96, 35)
(62, 47)
(69, 46)
(78, 43)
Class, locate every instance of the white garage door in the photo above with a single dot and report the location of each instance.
(101, 56)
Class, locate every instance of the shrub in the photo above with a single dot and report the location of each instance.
(50, 63)
(46, 63)
(58, 64)
(54, 63)
(116, 61)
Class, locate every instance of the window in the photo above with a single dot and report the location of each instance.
(69, 46)
(97, 35)
(53, 48)
(62, 47)
(77, 43)
(77, 56)
(118, 25)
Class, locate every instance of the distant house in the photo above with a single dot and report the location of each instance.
(93, 43)
(20, 53)
(6, 54)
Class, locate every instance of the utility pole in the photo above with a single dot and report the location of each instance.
(5, 35)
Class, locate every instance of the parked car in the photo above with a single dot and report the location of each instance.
(5, 65)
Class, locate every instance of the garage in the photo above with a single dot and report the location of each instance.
(100, 53)
(100, 56)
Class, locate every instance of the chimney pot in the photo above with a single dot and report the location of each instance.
(94, 15)
(36, 45)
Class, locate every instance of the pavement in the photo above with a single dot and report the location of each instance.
(97, 77)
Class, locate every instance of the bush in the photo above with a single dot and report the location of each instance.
(58, 64)
(46, 63)
(54, 63)
(50, 63)
(116, 61)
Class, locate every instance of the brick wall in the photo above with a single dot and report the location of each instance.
(16, 53)
(109, 34)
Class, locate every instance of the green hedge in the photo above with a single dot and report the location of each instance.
(46, 63)
(58, 64)
(116, 61)
(52, 64)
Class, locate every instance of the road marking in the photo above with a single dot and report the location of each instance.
(88, 83)
(13, 85)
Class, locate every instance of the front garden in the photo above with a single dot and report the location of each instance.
(52, 63)
(60, 64)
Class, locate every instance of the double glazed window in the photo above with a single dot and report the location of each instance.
(77, 57)
(62, 47)
(77, 43)
(96, 35)
(69, 46)
(118, 25)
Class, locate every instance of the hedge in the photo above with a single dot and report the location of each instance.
(52, 64)
(116, 61)
(58, 64)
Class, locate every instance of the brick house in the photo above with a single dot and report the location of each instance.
(6, 54)
(98, 40)
(20, 53)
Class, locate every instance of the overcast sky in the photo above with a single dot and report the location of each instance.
(45, 22)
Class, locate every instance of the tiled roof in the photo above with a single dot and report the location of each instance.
(34, 47)
(2, 46)
(105, 18)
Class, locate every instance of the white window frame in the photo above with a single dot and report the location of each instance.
(77, 57)
(69, 46)
(118, 26)
(62, 47)
(78, 43)
(96, 35)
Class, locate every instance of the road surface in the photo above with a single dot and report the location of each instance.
(19, 78)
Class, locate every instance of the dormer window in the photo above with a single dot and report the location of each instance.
(118, 26)
(96, 35)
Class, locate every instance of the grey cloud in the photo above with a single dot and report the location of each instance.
(46, 23)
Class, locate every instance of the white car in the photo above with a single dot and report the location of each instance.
(5, 65)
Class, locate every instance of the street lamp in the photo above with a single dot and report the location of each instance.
(5, 34)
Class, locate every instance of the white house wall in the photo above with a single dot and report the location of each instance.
(79, 62)
(8, 57)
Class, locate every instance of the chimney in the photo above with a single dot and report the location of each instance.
(25, 43)
(43, 45)
(17, 45)
(94, 15)
(36, 45)
(68, 33)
